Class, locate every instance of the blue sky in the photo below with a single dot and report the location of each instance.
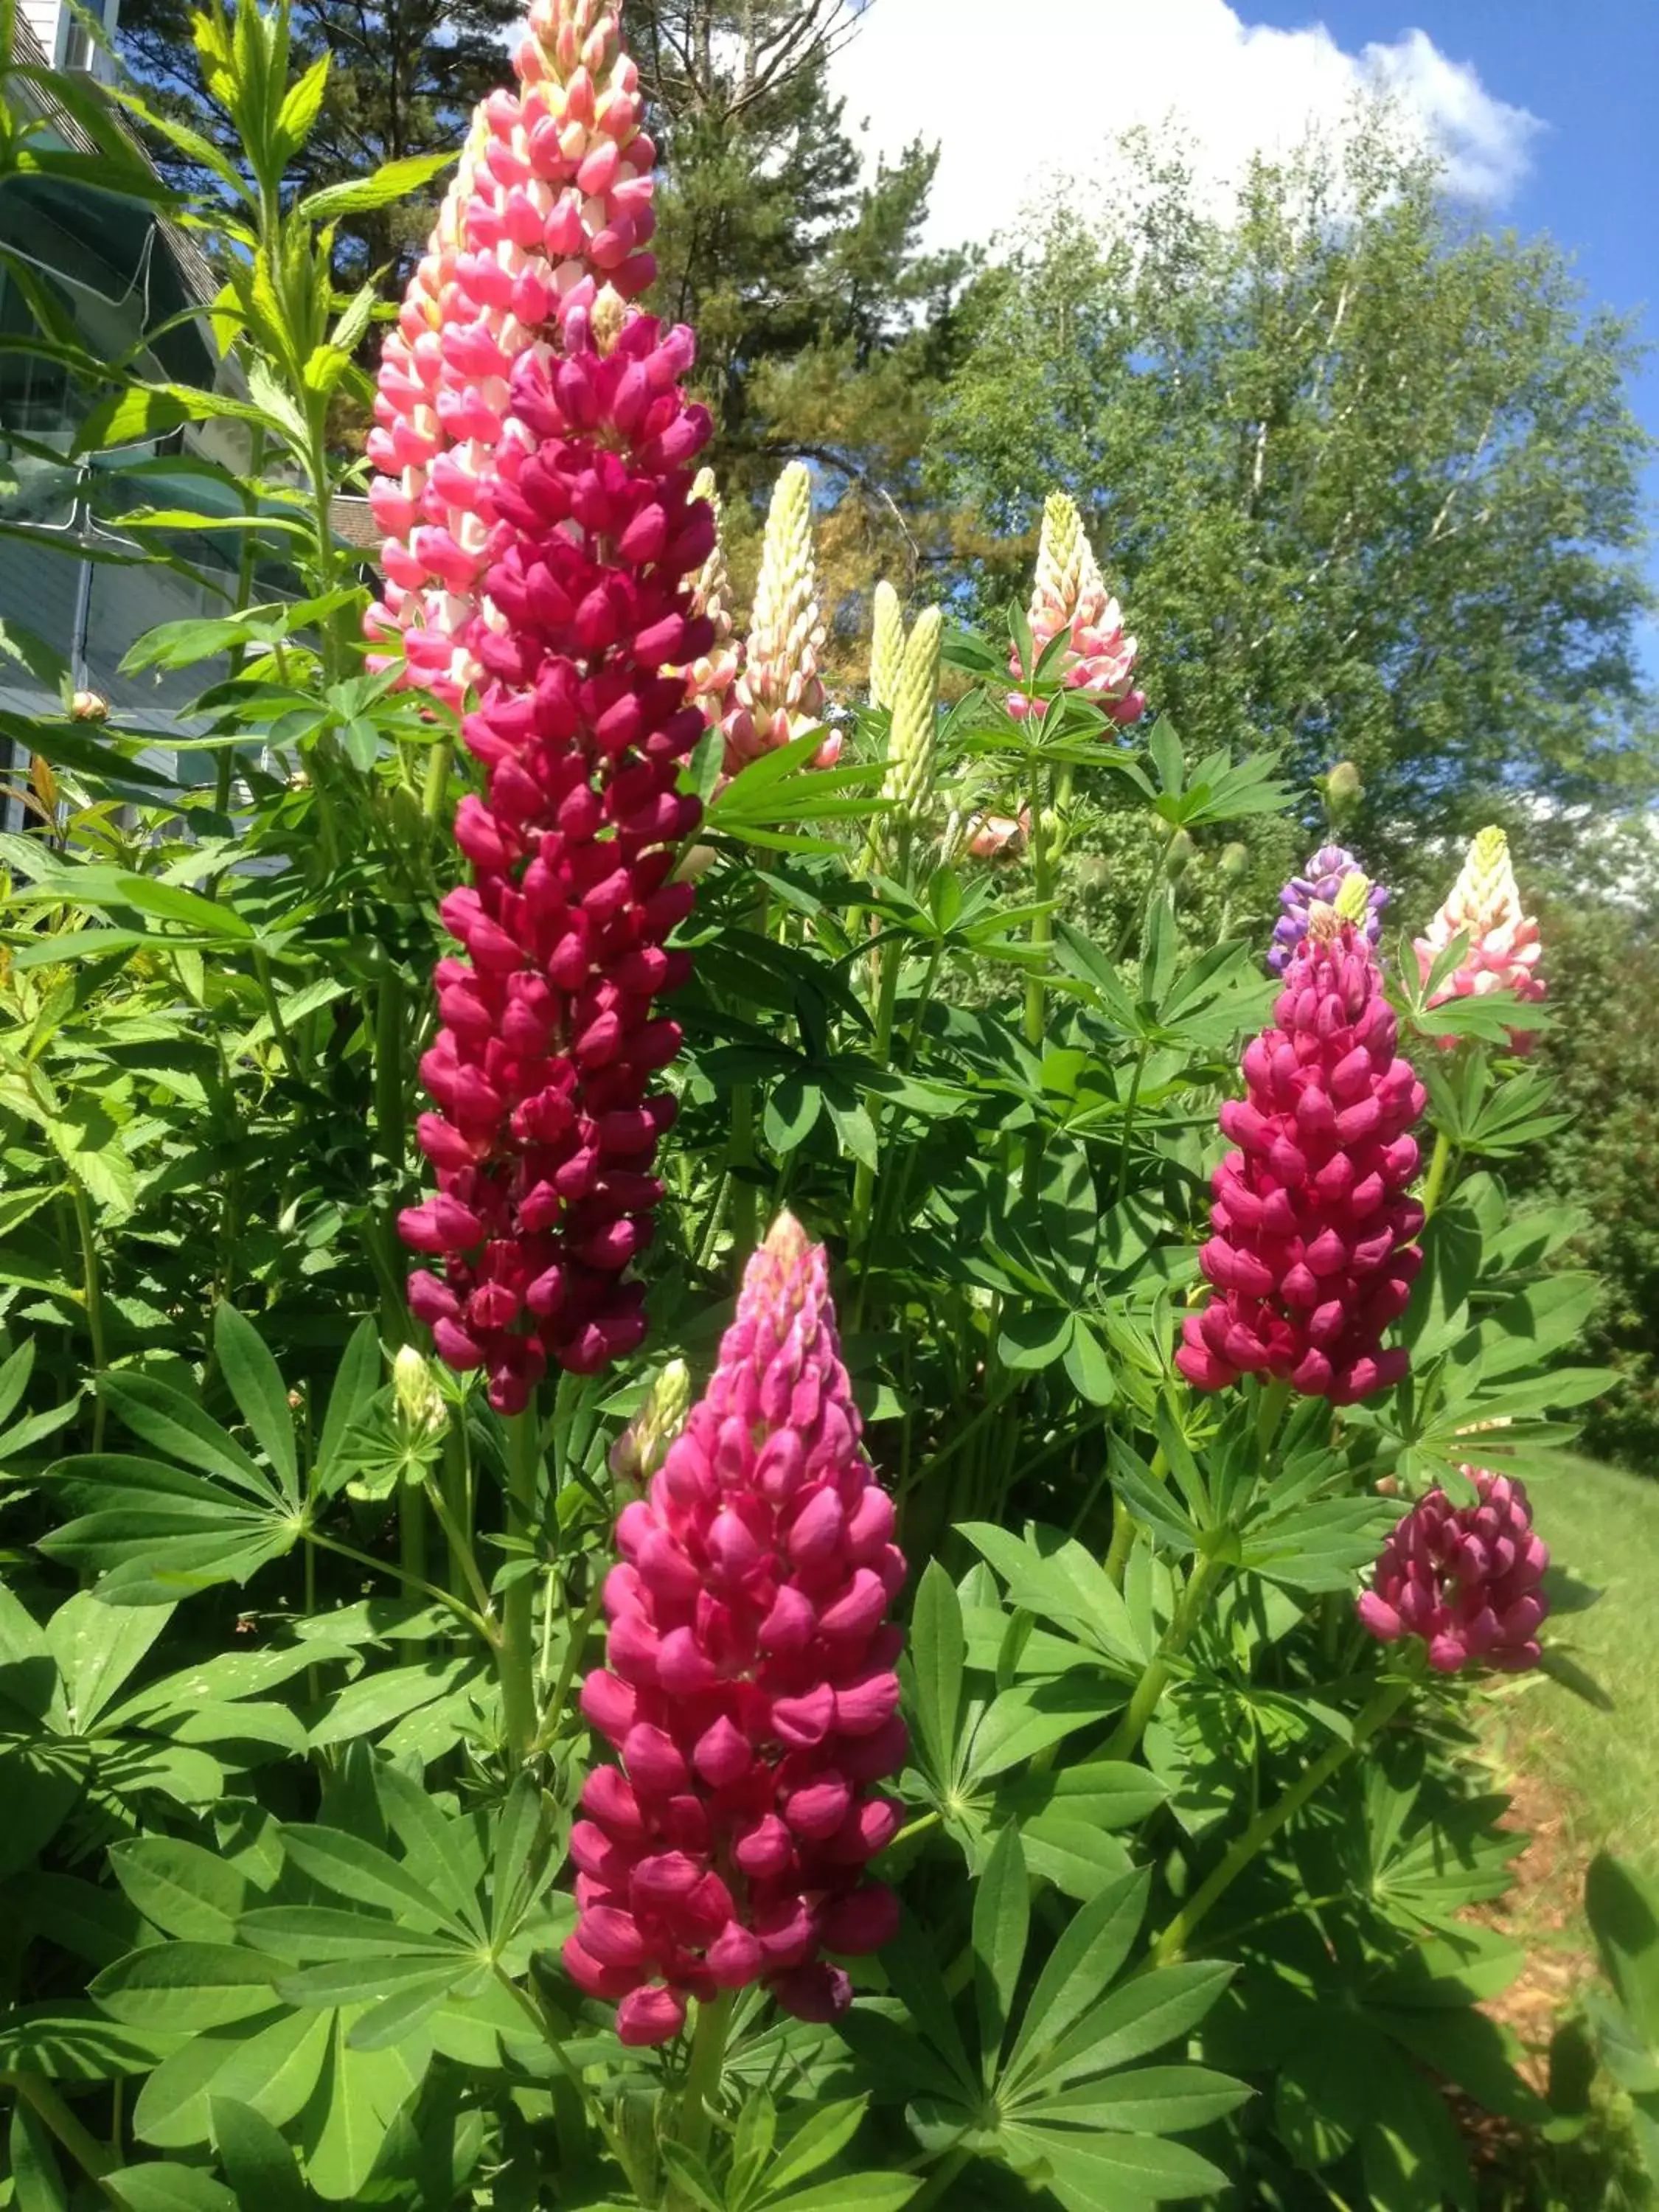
(1544, 110)
(1590, 74)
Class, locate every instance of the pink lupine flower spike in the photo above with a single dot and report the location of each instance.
(1502, 951)
(1466, 1581)
(1312, 1255)
(750, 1692)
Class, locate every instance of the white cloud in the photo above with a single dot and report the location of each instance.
(1020, 97)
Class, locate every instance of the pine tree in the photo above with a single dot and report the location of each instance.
(823, 327)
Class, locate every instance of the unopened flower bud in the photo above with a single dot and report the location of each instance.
(1343, 790)
(1178, 855)
(1234, 861)
(414, 1387)
(640, 1449)
(89, 707)
(887, 646)
(909, 776)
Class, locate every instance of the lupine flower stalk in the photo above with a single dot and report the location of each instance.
(779, 695)
(1069, 595)
(1467, 1581)
(709, 679)
(887, 646)
(1503, 949)
(1326, 870)
(1311, 1256)
(543, 1065)
(912, 738)
(547, 216)
(750, 1691)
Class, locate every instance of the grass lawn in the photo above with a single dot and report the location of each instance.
(1602, 1768)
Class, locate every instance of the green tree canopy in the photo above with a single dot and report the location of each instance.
(403, 78)
(1367, 477)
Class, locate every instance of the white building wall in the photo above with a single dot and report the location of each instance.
(44, 18)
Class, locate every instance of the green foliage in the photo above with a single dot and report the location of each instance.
(290, 1641)
(1313, 452)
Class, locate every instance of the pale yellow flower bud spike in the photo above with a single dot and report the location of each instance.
(887, 646)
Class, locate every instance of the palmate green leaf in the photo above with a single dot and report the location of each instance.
(440, 1852)
(1622, 1908)
(258, 2165)
(1159, 2100)
(261, 1397)
(1104, 2174)
(1002, 1914)
(365, 2091)
(185, 1986)
(162, 2186)
(96, 1649)
(37, 2179)
(187, 1892)
(158, 1414)
(356, 1380)
(1022, 1721)
(1082, 1965)
(914, 1975)
(818, 2139)
(938, 1650)
(71, 2040)
(372, 1976)
(1142, 2016)
(274, 2063)
(854, 2192)
(353, 1867)
(1053, 1576)
(519, 1858)
(374, 1702)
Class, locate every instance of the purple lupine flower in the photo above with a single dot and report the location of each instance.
(1326, 871)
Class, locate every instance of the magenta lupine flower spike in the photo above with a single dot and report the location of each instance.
(1503, 948)
(543, 1065)
(1326, 871)
(1312, 1257)
(1467, 1580)
(547, 216)
(750, 1693)
(1070, 594)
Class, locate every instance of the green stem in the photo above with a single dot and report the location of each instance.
(437, 778)
(703, 2076)
(1130, 1105)
(941, 2179)
(1125, 1528)
(579, 1635)
(919, 1826)
(1041, 924)
(77, 2139)
(1042, 930)
(1275, 1397)
(516, 1654)
(1439, 1168)
(891, 961)
(1160, 1667)
(745, 1194)
(92, 1291)
(969, 1430)
(1272, 1818)
(267, 993)
(479, 1625)
(450, 1504)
